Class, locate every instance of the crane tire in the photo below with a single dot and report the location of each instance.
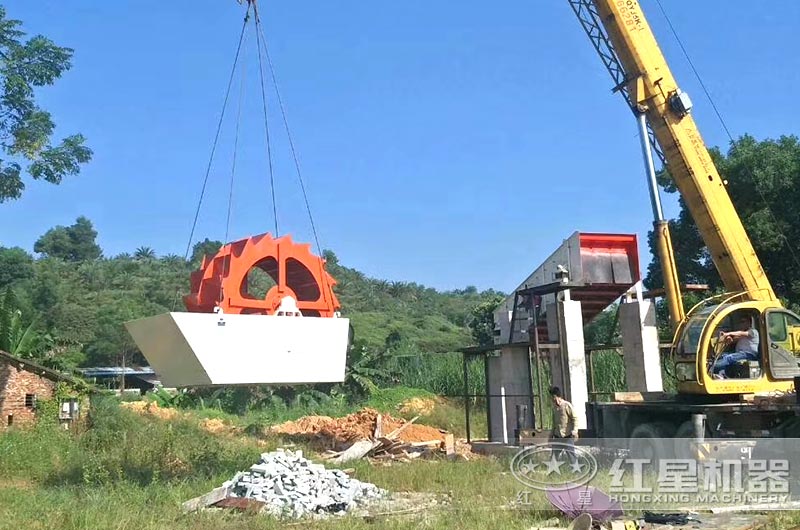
(648, 441)
(683, 437)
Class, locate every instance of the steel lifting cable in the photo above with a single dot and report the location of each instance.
(725, 126)
(240, 104)
(214, 144)
(217, 133)
(295, 157)
(266, 124)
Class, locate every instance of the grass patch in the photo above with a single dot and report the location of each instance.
(132, 471)
(390, 399)
(120, 473)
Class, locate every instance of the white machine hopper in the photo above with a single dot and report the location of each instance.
(197, 349)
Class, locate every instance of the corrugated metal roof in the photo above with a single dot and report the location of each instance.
(111, 371)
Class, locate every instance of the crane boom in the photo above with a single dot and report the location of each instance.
(622, 36)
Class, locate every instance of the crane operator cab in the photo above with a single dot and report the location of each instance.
(736, 352)
(739, 348)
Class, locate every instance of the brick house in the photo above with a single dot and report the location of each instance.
(22, 384)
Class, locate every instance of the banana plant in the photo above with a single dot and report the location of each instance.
(366, 368)
(17, 337)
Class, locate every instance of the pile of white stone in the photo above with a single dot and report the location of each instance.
(292, 486)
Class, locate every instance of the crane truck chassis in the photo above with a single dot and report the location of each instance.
(755, 398)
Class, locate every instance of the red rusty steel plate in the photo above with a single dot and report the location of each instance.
(627, 244)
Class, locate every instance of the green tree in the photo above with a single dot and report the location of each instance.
(26, 130)
(144, 253)
(112, 345)
(482, 324)
(17, 336)
(15, 265)
(70, 243)
(330, 257)
(764, 184)
(206, 247)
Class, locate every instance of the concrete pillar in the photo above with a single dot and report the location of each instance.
(637, 322)
(509, 384)
(568, 363)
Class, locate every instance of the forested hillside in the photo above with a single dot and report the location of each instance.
(66, 303)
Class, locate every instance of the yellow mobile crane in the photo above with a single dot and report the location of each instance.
(626, 44)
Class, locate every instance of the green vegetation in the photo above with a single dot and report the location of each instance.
(66, 308)
(128, 470)
(26, 130)
(762, 182)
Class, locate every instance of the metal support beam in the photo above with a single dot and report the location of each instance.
(586, 11)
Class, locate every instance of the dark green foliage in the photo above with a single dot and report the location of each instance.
(763, 178)
(26, 130)
(19, 336)
(144, 253)
(82, 300)
(366, 368)
(15, 265)
(83, 305)
(70, 243)
(329, 257)
(384, 312)
(482, 323)
(604, 328)
(206, 247)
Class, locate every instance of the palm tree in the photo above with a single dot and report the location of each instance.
(144, 254)
(173, 259)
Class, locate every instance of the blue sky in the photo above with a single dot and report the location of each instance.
(445, 143)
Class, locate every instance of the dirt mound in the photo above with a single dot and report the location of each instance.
(339, 433)
(421, 433)
(150, 408)
(417, 406)
(305, 425)
(217, 426)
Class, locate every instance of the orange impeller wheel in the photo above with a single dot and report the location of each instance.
(225, 280)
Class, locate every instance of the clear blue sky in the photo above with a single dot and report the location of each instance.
(447, 143)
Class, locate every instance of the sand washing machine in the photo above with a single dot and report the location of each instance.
(293, 334)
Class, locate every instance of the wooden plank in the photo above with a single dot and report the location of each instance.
(635, 397)
(395, 433)
(358, 450)
(240, 503)
(429, 443)
(450, 445)
(212, 497)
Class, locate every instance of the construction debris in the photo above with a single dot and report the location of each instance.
(286, 485)
(360, 435)
(212, 497)
(360, 449)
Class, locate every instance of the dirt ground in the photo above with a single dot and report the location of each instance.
(325, 432)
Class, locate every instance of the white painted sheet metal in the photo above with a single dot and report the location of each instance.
(195, 349)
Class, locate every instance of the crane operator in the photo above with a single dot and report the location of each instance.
(746, 349)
